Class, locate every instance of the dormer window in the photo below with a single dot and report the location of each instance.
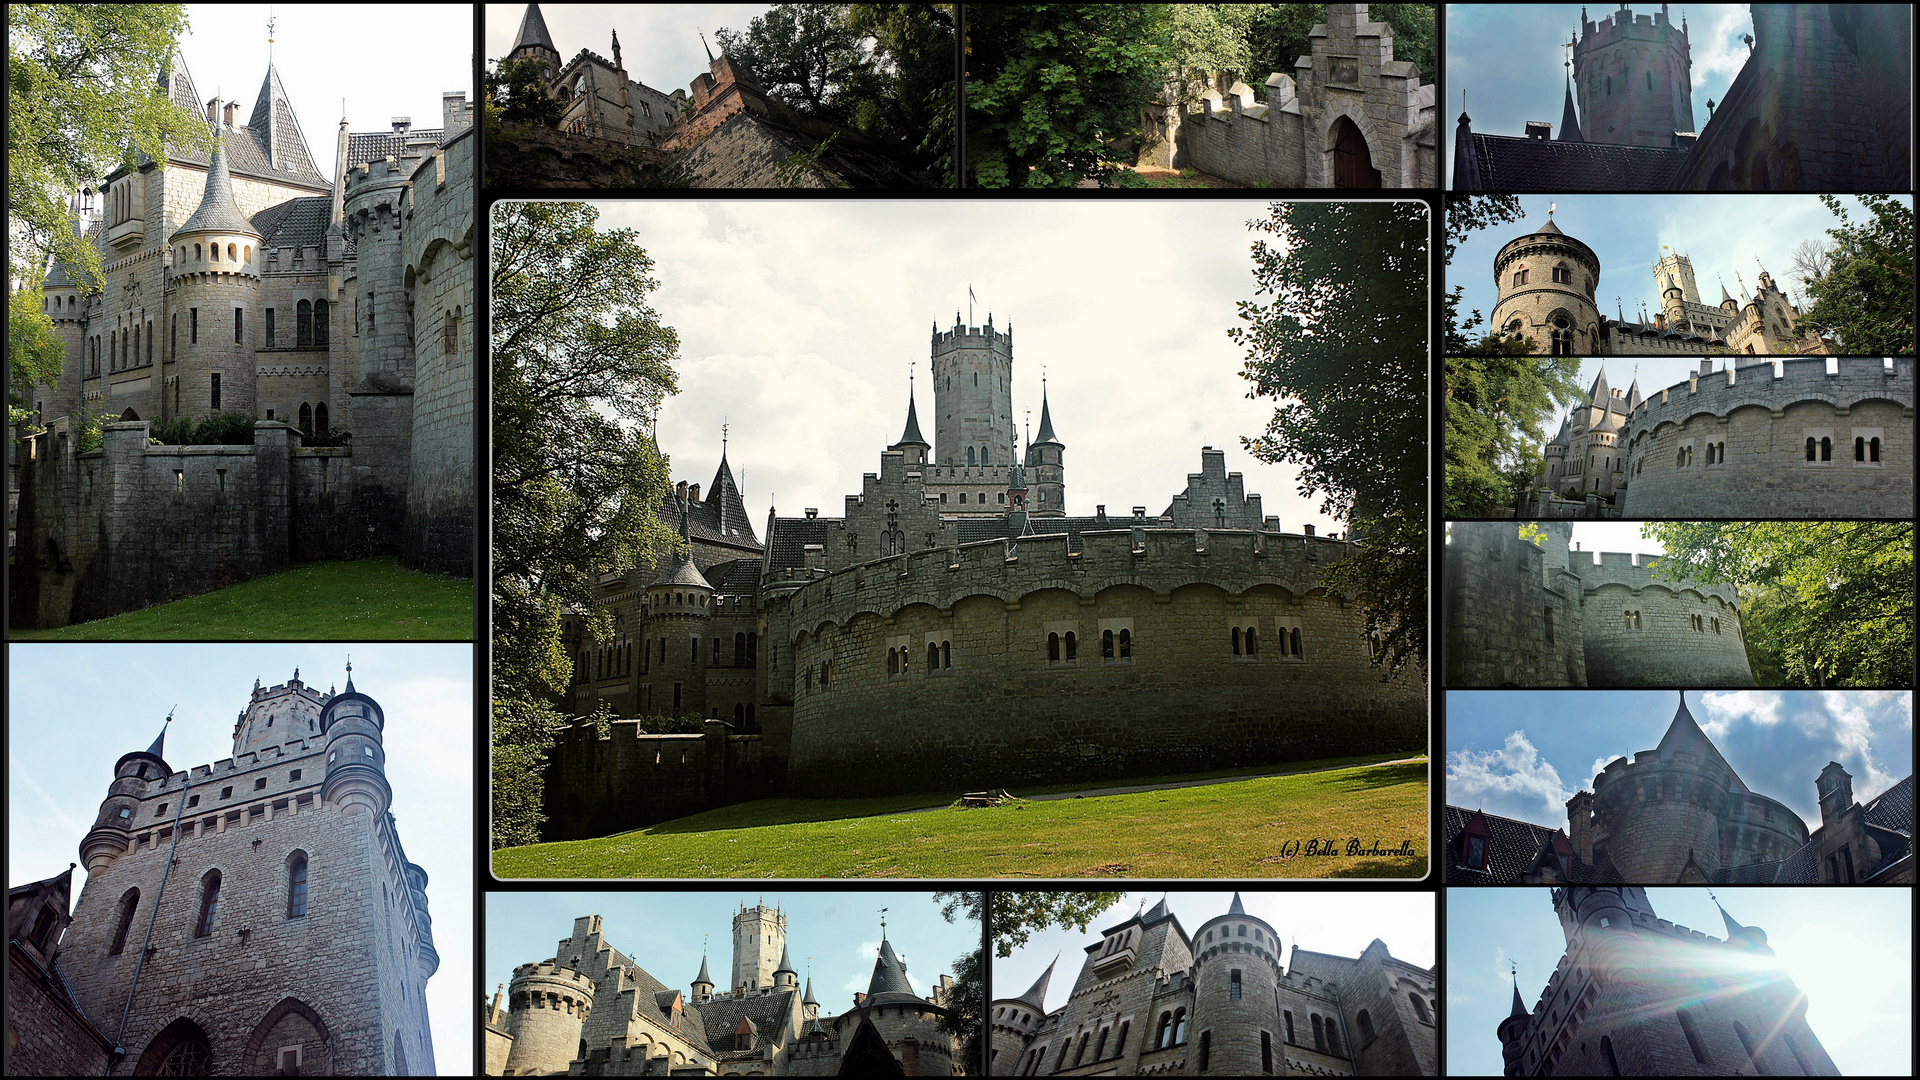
(1476, 853)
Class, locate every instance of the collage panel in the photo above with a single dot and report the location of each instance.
(243, 902)
(1352, 989)
(1678, 981)
(814, 983)
(962, 673)
(1715, 97)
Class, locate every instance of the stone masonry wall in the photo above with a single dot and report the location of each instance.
(598, 786)
(1662, 647)
(1763, 423)
(350, 959)
(439, 531)
(44, 1036)
(1495, 595)
(1006, 715)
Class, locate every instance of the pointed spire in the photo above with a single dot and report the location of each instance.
(533, 33)
(704, 977)
(349, 673)
(1235, 908)
(160, 740)
(1036, 994)
(1519, 1007)
(704, 45)
(786, 964)
(1733, 928)
(1046, 416)
(911, 436)
(1685, 736)
(218, 212)
(805, 999)
(1569, 122)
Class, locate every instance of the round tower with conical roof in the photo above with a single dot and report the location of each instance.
(1046, 456)
(546, 1005)
(533, 42)
(1512, 1033)
(1236, 973)
(1660, 816)
(1015, 1019)
(356, 777)
(679, 613)
(759, 947)
(113, 826)
(214, 293)
(1546, 282)
(702, 983)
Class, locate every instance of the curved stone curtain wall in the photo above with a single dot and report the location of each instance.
(1662, 634)
(1735, 444)
(1019, 705)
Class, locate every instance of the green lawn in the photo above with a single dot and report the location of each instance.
(1242, 829)
(362, 600)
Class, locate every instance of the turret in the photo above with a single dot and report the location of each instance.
(759, 946)
(809, 1008)
(784, 977)
(1546, 282)
(546, 1005)
(703, 983)
(912, 443)
(1634, 77)
(113, 827)
(973, 395)
(1236, 972)
(1835, 788)
(679, 610)
(429, 957)
(1046, 457)
(280, 714)
(213, 288)
(1512, 1032)
(356, 779)
(533, 41)
(1587, 910)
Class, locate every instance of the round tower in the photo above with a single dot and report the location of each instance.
(1555, 454)
(423, 923)
(759, 946)
(784, 977)
(356, 778)
(702, 984)
(213, 291)
(1512, 1033)
(973, 395)
(113, 826)
(1046, 457)
(1634, 75)
(1236, 970)
(546, 1005)
(1664, 808)
(1015, 1020)
(1546, 281)
(679, 612)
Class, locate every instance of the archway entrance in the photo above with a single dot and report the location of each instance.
(129, 414)
(180, 1049)
(1352, 164)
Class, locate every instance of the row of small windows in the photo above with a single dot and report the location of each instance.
(1064, 648)
(240, 254)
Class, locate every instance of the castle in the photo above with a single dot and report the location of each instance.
(1350, 116)
(590, 1008)
(243, 280)
(1153, 1000)
(1516, 613)
(1678, 813)
(1743, 442)
(1636, 995)
(1821, 104)
(279, 928)
(852, 653)
(722, 132)
(1546, 281)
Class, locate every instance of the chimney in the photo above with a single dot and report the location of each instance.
(1539, 129)
(693, 492)
(402, 124)
(1836, 794)
(1308, 529)
(1580, 825)
(213, 108)
(680, 491)
(812, 512)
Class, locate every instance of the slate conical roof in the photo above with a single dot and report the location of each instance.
(912, 436)
(785, 963)
(805, 999)
(1561, 438)
(1606, 422)
(889, 977)
(533, 32)
(1633, 395)
(1569, 123)
(1519, 1007)
(1601, 393)
(1550, 227)
(682, 571)
(704, 977)
(154, 751)
(217, 211)
(1685, 736)
(1046, 421)
(1235, 908)
(1036, 995)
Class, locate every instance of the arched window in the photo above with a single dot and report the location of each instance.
(297, 885)
(1126, 643)
(1106, 644)
(1873, 448)
(1206, 1047)
(1826, 449)
(1161, 1038)
(1073, 646)
(400, 1056)
(129, 902)
(303, 324)
(1233, 985)
(983, 461)
(450, 336)
(213, 250)
(149, 352)
(1294, 640)
(1366, 1024)
(1319, 1035)
(230, 254)
(306, 418)
(322, 323)
(1746, 1041)
(969, 457)
(946, 654)
(1053, 647)
(1179, 1026)
(893, 661)
(320, 418)
(1812, 448)
(209, 903)
(1693, 1036)
(1100, 1048)
(1081, 1053)
(1419, 1010)
(933, 657)
(1859, 448)
(1253, 641)
(739, 649)
(1333, 1036)
(181, 1049)
(1120, 1042)
(1606, 1053)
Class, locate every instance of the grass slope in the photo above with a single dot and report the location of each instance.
(1242, 829)
(362, 600)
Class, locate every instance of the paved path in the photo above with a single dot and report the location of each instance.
(1092, 793)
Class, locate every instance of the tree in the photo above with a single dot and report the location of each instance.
(1278, 36)
(34, 351)
(1496, 408)
(1828, 603)
(966, 999)
(1865, 299)
(580, 364)
(1018, 916)
(1207, 38)
(1051, 85)
(904, 96)
(1811, 257)
(801, 54)
(1343, 349)
(517, 89)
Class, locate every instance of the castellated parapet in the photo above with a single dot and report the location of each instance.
(1735, 443)
(1518, 615)
(547, 1003)
(288, 916)
(1139, 650)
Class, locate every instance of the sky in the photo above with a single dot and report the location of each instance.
(800, 322)
(75, 709)
(1510, 60)
(1869, 931)
(836, 933)
(1326, 921)
(370, 55)
(659, 43)
(1523, 754)
(1723, 235)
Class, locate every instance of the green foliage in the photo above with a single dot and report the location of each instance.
(1471, 213)
(34, 352)
(1349, 282)
(354, 600)
(1278, 37)
(1865, 299)
(220, 429)
(1017, 916)
(1827, 603)
(1206, 38)
(580, 364)
(332, 436)
(1051, 85)
(967, 999)
(90, 433)
(1496, 410)
(518, 90)
(83, 98)
(1171, 833)
(801, 54)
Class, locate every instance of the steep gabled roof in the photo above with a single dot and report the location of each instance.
(277, 131)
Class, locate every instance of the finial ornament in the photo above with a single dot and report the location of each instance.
(270, 22)
(1551, 207)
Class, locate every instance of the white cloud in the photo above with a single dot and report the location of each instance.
(862, 977)
(1513, 781)
(1719, 710)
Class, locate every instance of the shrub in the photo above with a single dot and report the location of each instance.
(228, 428)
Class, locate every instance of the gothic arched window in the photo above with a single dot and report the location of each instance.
(297, 885)
(209, 903)
(322, 323)
(303, 324)
(129, 903)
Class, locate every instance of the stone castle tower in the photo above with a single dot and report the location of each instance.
(1634, 75)
(760, 949)
(1546, 281)
(1636, 995)
(973, 395)
(258, 915)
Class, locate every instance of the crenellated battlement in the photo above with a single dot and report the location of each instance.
(962, 336)
(1637, 572)
(1719, 393)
